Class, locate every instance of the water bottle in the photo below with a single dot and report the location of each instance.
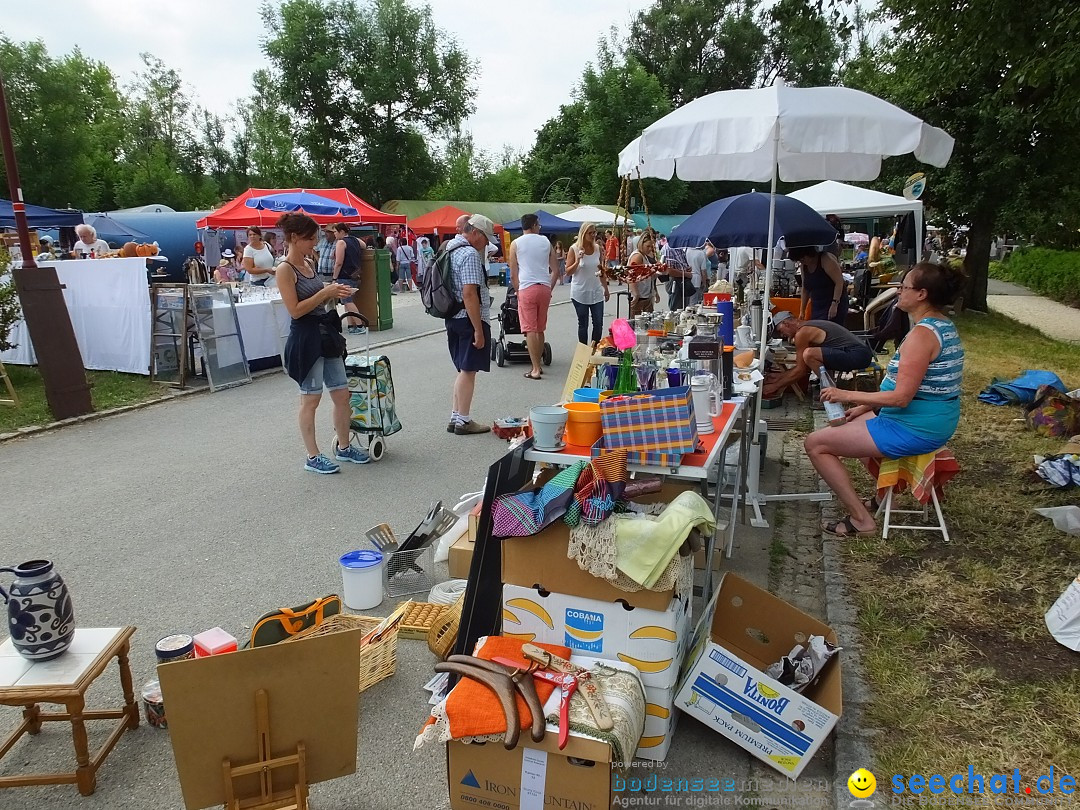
(834, 411)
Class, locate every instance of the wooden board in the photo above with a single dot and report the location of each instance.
(210, 706)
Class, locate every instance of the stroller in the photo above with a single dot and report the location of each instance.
(503, 350)
(371, 397)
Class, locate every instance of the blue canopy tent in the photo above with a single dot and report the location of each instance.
(112, 231)
(39, 217)
(549, 223)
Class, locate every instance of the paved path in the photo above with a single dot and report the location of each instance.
(196, 513)
(1054, 320)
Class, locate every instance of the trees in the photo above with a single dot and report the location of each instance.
(471, 174)
(65, 119)
(998, 78)
(365, 85)
(803, 49)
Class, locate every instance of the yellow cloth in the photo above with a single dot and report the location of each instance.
(645, 544)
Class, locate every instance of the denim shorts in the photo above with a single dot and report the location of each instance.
(349, 282)
(328, 372)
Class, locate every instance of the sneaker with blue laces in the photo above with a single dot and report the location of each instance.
(350, 453)
(322, 465)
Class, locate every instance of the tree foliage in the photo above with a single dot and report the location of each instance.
(366, 87)
(997, 78)
(66, 117)
(472, 174)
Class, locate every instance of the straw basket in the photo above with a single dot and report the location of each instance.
(378, 659)
(444, 630)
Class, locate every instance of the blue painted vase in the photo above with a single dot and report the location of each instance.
(40, 617)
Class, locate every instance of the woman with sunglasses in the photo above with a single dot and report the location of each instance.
(918, 407)
(588, 288)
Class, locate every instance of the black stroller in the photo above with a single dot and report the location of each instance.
(505, 351)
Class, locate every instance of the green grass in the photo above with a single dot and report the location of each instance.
(109, 389)
(961, 665)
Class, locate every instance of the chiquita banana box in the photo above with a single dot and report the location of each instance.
(723, 684)
(651, 640)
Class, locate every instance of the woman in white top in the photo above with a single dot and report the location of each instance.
(258, 260)
(588, 289)
(89, 242)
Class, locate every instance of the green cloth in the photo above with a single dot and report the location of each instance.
(645, 544)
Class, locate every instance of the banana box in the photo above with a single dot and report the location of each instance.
(652, 640)
(660, 719)
(723, 682)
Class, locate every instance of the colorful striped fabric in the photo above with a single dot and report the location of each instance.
(921, 473)
(598, 488)
(658, 421)
(522, 514)
(641, 457)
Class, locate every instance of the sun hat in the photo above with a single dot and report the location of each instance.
(227, 254)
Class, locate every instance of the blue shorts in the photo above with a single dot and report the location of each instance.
(459, 339)
(349, 282)
(896, 441)
(328, 372)
(847, 358)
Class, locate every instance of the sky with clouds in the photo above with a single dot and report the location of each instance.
(530, 55)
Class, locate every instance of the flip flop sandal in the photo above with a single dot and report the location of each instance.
(529, 376)
(872, 504)
(831, 528)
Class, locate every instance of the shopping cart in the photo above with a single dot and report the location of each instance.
(371, 398)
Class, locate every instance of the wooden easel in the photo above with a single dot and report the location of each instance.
(13, 397)
(292, 799)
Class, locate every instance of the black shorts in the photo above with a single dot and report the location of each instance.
(459, 338)
(847, 358)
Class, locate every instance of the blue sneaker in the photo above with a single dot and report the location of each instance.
(322, 465)
(350, 453)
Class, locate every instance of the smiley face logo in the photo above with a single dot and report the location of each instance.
(862, 784)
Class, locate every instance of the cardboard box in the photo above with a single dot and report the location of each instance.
(744, 630)
(540, 561)
(488, 775)
(652, 640)
(460, 559)
(660, 719)
(474, 522)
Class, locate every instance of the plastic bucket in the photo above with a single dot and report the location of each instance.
(362, 579)
(583, 423)
(548, 425)
(586, 395)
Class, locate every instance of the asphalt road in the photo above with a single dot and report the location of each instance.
(196, 513)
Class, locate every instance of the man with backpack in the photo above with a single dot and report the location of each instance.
(455, 289)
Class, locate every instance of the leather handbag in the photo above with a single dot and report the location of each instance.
(283, 623)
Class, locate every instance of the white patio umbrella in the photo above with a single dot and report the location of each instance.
(588, 213)
(790, 133)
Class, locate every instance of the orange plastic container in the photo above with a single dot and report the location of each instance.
(583, 423)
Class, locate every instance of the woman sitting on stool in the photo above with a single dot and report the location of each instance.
(918, 407)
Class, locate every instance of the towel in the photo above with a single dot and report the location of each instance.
(921, 473)
(598, 488)
(524, 513)
(1020, 391)
(620, 686)
(472, 711)
(645, 545)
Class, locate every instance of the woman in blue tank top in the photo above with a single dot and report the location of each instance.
(918, 407)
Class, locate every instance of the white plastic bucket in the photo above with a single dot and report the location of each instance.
(548, 424)
(362, 579)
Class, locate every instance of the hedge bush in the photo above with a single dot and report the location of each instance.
(1053, 273)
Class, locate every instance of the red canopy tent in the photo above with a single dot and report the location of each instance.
(236, 214)
(440, 221)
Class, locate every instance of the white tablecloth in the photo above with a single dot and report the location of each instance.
(109, 307)
(264, 325)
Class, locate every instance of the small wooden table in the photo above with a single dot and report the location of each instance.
(65, 680)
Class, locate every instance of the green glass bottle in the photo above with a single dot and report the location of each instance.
(626, 381)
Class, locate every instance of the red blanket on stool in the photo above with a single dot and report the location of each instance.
(921, 473)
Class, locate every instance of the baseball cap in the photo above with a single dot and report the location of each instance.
(482, 223)
(779, 317)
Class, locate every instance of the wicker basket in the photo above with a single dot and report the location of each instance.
(378, 659)
(444, 630)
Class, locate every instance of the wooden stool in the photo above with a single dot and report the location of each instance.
(64, 680)
(926, 475)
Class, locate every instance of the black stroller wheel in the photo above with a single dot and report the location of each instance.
(500, 355)
(546, 356)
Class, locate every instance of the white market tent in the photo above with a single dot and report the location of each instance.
(831, 197)
(588, 213)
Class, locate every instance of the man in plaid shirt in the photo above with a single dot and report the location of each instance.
(468, 334)
(325, 250)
